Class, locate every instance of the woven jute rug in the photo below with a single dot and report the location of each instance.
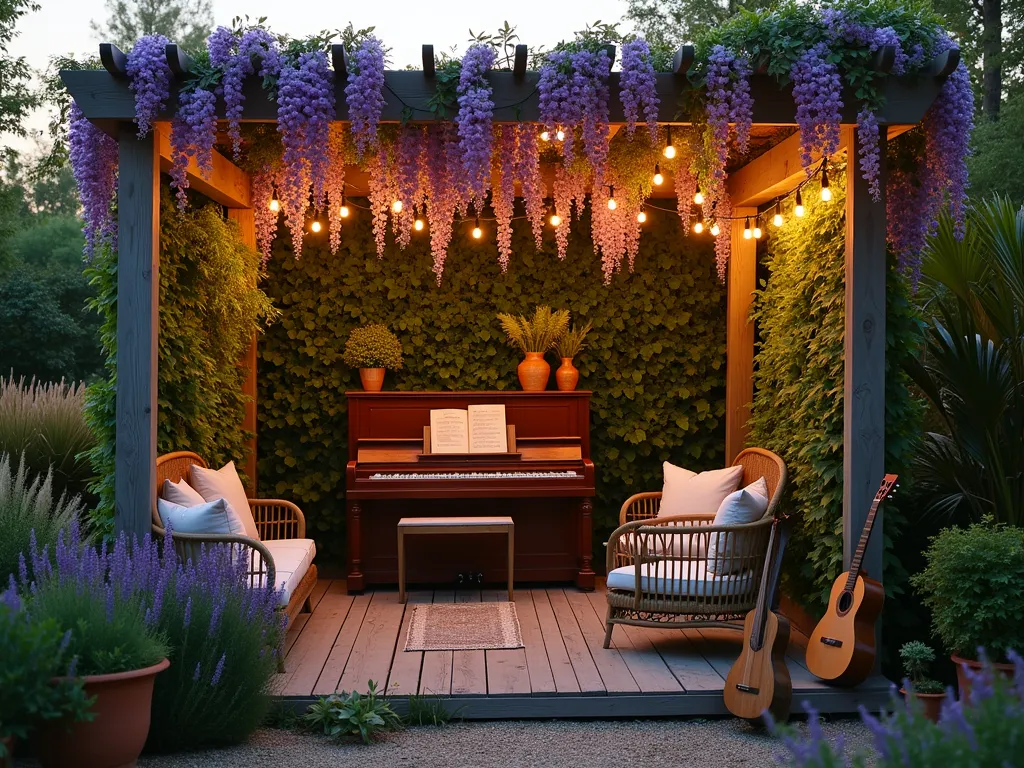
(463, 627)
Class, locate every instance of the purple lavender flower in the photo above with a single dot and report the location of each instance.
(817, 92)
(149, 78)
(218, 670)
(637, 87)
(94, 165)
(474, 119)
(364, 92)
(198, 671)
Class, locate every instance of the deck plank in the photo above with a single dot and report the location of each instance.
(562, 670)
(721, 647)
(312, 648)
(538, 667)
(404, 677)
(327, 682)
(507, 672)
(614, 672)
(469, 668)
(436, 674)
(375, 644)
(642, 659)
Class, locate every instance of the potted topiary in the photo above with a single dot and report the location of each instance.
(534, 337)
(917, 658)
(570, 345)
(34, 653)
(373, 349)
(971, 583)
(102, 601)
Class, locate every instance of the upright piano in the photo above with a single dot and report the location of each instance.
(547, 491)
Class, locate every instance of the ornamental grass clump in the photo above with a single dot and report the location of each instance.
(373, 346)
(571, 343)
(537, 334)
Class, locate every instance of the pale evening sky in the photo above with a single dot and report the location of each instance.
(63, 26)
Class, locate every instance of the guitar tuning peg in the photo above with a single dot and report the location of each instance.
(897, 485)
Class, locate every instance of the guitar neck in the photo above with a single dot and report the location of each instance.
(761, 607)
(884, 490)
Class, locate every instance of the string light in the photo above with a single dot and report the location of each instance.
(396, 206)
(777, 218)
(670, 150)
(477, 232)
(757, 228)
(698, 196)
(316, 226)
(343, 211)
(826, 191)
(641, 216)
(275, 205)
(658, 178)
(747, 234)
(418, 225)
(698, 226)
(798, 209)
(715, 229)
(612, 205)
(560, 135)
(545, 136)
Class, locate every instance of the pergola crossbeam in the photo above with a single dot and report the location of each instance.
(114, 60)
(227, 184)
(339, 60)
(429, 62)
(178, 60)
(683, 59)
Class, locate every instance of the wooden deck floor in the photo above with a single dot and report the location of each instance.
(562, 672)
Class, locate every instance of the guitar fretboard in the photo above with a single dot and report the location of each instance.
(888, 483)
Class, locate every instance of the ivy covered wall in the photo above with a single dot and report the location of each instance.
(655, 362)
(798, 401)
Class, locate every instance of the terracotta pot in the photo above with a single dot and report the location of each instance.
(534, 372)
(115, 736)
(567, 375)
(931, 702)
(372, 378)
(963, 682)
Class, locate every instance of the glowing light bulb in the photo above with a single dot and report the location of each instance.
(316, 226)
(555, 220)
(418, 225)
(612, 205)
(698, 226)
(698, 197)
(560, 135)
(798, 209)
(642, 216)
(777, 218)
(826, 191)
(658, 178)
(477, 232)
(343, 211)
(545, 136)
(826, 194)
(747, 234)
(396, 206)
(275, 205)
(669, 151)
(757, 232)
(715, 230)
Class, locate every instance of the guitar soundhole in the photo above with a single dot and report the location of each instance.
(845, 602)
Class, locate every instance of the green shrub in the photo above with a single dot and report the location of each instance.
(46, 424)
(33, 655)
(27, 507)
(972, 584)
(917, 659)
(373, 346)
(353, 715)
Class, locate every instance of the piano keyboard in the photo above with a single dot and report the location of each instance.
(565, 475)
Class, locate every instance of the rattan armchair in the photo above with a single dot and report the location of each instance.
(671, 584)
(275, 519)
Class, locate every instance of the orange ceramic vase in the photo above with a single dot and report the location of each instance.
(115, 736)
(372, 378)
(567, 375)
(534, 372)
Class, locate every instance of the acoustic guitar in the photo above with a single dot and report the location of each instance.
(841, 649)
(759, 680)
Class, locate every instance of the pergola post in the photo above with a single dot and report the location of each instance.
(739, 342)
(138, 321)
(864, 380)
(246, 221)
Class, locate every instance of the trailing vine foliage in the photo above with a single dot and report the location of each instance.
(654, 359)
(210, 308)
(798, 402)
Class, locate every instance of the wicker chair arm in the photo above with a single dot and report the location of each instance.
(278, 519)
(640, 506)
(260, 568)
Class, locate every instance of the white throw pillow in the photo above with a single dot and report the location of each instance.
(746, 505)
(224, 483)
(206, 517)
(686, 493)
(181, 493)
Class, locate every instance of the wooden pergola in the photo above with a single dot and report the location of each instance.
(105, 98)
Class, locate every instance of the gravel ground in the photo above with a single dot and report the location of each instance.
(559, 744)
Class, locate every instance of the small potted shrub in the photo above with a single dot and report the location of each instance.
(570, 345)
(534, 337)
(34, 653)
(102, 600)
(972, 584)
(373, 349)
(917, 659)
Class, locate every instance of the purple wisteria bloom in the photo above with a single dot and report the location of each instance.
(637, 87)
(817, 92)
(93, 157)
(149, 78)
(364, 93)
(474, 119)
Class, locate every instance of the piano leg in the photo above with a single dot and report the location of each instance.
(585, 578)
(355, 582)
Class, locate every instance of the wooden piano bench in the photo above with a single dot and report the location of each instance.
(408, 526)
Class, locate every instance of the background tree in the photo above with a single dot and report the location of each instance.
(186, 22)
(16, 95)
(668, 23)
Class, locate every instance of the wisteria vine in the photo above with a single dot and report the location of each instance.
(474, 119)
(149, 78)
(364, 93)
(94, 164)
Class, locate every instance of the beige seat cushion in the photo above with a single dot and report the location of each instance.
(687, 578)
(292, 558)
(746, 505)
(181, 493)
(209, 517)
(224, 483)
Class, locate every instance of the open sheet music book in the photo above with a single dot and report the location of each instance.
(478, 429)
